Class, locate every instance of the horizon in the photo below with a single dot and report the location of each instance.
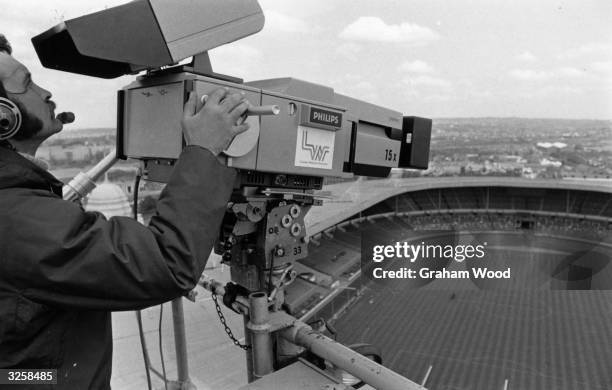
(433, 119)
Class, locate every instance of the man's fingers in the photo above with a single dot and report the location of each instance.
(231, 101)
(239, 111)
(240, 129)
(190, 105)
(217, 95)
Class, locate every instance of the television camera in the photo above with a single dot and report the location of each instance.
(300, 133)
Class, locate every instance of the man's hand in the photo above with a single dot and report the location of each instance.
(213, 125)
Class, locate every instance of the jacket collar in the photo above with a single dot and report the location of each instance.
(18, 171)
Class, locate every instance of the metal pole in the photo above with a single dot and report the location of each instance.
(261, 340)
(248, 353)
(84, 182)
(301, 334)
(180, 344)
(343, 357)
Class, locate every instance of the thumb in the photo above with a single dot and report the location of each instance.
(190, 105)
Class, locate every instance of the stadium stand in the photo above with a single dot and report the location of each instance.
(473, 340)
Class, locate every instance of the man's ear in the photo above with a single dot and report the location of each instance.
(10, 119)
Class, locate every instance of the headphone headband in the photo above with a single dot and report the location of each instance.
(10, 119)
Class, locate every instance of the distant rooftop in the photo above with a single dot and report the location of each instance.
(83, 133)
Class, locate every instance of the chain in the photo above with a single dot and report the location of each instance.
(227, 328)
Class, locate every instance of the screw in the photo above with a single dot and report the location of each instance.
(296, 229)
(279, 251)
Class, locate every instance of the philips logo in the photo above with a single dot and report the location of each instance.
(317, 152)
(324, 117)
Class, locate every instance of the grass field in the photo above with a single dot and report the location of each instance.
(476, 339)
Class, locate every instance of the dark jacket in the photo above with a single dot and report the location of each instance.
(62, 270)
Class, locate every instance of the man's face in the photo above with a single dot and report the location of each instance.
(19, 87)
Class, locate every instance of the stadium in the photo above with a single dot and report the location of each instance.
(467, 334)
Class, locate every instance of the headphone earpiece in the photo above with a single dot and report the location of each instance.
(10, 119)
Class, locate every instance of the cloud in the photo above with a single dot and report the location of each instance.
(417, 66)
(543, 75)
(374, 29)
(365, 90)
(530, 75)
(597, 49)
(349, 50)
(365, 85)
(550, 91)
(421, 78)
(602, 67)
(469, 89)
(280, 22)
(603, 73)
(237, 60)
(568, 72)
(437, 98)
(526, 56)
(354, 85)
(428, 81)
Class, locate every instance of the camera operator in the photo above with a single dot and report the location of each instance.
(63, 270)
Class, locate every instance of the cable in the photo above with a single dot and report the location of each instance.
(143, 343)
(161, 350)
(270, 274)
(135, 199)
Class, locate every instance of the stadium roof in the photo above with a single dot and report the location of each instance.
(349, 198)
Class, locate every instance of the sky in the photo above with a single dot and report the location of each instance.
(432, 58)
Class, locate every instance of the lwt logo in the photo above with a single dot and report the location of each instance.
(314, 148)
(317, 152)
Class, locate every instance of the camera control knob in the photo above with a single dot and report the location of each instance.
(295, 211)
(286, 220)
(296, 229)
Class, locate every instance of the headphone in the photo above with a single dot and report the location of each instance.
(10, 119)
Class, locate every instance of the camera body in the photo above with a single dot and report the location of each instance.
(316, 133)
